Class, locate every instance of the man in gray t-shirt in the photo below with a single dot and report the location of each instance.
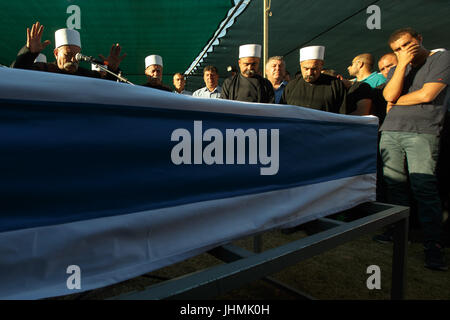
(409, 145)
(425, 115)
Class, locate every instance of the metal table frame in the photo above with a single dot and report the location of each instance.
(243, 266)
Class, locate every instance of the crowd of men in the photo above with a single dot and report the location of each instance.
(409, 95)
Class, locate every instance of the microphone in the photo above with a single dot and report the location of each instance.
(82, 57)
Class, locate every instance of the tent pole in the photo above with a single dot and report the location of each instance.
(266, 35)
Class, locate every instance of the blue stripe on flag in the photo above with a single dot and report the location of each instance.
(64, 162)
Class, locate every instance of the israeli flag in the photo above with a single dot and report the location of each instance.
(102, 181)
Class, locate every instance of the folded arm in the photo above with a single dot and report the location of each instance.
(426, 94)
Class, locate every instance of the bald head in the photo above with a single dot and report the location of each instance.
(386, 62)
(367, 59)
(361, 66)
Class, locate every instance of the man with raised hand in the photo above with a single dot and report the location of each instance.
(417, 96)
(67, 45)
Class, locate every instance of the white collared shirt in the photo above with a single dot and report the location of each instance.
(205, 93)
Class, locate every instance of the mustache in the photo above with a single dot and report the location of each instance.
(250, 72)
(153, 80)
(309, 78)
(70, 65)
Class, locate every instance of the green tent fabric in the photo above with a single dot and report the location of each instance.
(339, 25)
(179, 30)
(176, 29)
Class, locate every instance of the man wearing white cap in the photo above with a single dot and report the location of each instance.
(314, 89)
(67, 45)
(248, 85)
(154, 73)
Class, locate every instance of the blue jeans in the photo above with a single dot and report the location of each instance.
(414, 156)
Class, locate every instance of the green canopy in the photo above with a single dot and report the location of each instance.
(176, 29)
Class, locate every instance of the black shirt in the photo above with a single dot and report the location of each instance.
(379, 104)
(327, 93)
(255, 89)
(358, 91)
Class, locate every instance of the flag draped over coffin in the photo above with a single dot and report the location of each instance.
(120, 180)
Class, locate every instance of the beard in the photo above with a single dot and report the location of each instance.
(155, 81)
(70, 67)
(309, 78)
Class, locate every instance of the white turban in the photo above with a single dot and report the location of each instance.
(153, 59)
(65, 37)
(312, 53)
(250, 50)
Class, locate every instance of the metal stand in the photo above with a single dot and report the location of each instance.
(118, 76)
(244, 267)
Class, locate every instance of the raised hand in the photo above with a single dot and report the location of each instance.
(34, 38)
(406, 55)
(114, 59)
